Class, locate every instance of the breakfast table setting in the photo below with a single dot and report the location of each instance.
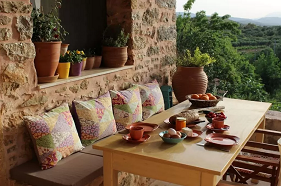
(185, 145)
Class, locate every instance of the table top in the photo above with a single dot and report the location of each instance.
(243, 117)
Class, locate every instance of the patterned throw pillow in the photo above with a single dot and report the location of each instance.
(152, 99)
(126, 107)
(95, 118)
(54, 135)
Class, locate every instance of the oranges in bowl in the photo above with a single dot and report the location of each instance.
(203, 100)
(207, 96)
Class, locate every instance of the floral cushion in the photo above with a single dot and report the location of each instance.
(54, 135)
(95, 118)
(152, 99)
(126, 107)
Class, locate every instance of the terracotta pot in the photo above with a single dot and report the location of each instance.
(90, 63)
(97, 61)
(63, 70)
(114, 56)
(84, 61)
(75, 69)
(47, 58)
(189, 80)
(64, 48)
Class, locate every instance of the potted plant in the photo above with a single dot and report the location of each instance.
(64, 48)
(64, 66)
(90, 54)
(47, 36)
(76, 62)
(114, 49)
(98, 57)
(190, 77)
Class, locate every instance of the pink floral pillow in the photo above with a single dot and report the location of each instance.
(152, 99)
(127, 107)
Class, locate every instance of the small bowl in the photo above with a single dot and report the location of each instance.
(172, 140)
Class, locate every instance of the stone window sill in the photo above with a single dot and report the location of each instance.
(84, 75)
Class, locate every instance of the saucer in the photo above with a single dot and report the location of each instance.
(128, 138)
(210, 127)
(194, 135)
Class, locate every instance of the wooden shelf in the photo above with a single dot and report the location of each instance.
(84, 75)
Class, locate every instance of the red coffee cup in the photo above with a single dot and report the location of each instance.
(136, 133)
(218, 123)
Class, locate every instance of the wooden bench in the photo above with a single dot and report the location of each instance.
(79, 169)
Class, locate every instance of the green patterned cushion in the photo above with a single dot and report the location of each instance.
(152, 99)
(127, 107)
(54, 135)
(95, 118)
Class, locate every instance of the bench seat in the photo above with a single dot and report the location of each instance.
(89, 150)
(79, 169)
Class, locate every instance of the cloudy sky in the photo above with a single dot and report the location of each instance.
(236, 8)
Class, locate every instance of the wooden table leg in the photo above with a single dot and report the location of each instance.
(208, 180)
(110, 176)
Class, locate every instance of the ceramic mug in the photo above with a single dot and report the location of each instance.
(136, 133)
(218, 123)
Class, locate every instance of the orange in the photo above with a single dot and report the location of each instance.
(212, 98)
(200, 95)
(194, 96)
(205, 97)
(209, 94)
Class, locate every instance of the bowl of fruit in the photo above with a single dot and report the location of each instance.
(172, 136)
(212, 115)
(203, 100)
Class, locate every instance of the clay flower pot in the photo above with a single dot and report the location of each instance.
(189, 80)
(90, 63)
(84, 61)
(63, 70)
(64, 48)
(114, 56)
(47, 58)
(75, 69)
(97, 61)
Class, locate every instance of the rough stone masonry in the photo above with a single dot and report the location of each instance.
(152, 50)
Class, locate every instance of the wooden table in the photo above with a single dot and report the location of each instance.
(185, 163)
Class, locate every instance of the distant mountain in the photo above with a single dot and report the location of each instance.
(265, 21)
(274, 14)
(270, 21)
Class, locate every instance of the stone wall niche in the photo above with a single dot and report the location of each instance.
(151, 49)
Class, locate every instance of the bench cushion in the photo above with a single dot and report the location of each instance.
(127, 108)
(94, 118)
(89, 150)
(78, 169)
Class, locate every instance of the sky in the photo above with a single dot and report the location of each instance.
(253, 9)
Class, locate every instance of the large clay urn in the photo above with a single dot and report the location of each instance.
(47, 58)
(114, 56)
(189, 80)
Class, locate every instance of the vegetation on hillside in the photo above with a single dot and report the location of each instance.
(247, 56)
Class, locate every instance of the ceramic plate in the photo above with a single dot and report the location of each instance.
(194, 135)
(222, 139)
(148, 127)
(210, 127)
(144, 138)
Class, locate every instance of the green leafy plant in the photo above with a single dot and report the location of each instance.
(73, 57)
(89, 52)
(115, 36)
(47, 27)
(199, 59)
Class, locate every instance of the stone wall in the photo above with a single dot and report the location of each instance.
(152, 48)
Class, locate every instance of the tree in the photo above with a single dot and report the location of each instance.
(213, 35)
